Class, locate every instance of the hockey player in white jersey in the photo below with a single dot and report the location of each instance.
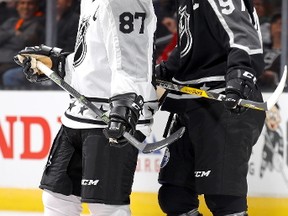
(112, 67)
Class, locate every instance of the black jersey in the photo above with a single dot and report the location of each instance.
(215, 37)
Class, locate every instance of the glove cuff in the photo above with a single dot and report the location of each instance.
(126, 108)
(239, 83)
(241, 74)
(130, 100)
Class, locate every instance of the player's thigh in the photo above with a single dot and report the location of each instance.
(223, 144)
(108, 171)
(63, 170)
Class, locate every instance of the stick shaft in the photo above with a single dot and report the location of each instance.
(262, 106)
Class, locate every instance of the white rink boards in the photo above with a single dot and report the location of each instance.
(29, 120)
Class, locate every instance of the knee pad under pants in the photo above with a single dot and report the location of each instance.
(56, 204)
(221, 205)
(175, 200)
(98, 209)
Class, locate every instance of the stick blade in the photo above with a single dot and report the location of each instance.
(275, 96)
(165, 142)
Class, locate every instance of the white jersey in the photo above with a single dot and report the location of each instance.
(113, 55)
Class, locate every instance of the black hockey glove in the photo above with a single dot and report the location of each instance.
(124, 115)
(239, 85)
(53, 57)
(162, 73)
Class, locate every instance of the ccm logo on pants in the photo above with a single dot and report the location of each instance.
(200, 174)
(89, 182)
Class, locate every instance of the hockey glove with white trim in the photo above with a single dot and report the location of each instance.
(239, 84)
(124, 115)
(53, 57)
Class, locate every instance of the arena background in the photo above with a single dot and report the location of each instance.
(29, 121)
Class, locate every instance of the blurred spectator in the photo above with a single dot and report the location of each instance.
(17, 33)
(261, 11)
(76, 6)
(272, 56)
(7, 10)
(14, 78)
(171, 24)
(168, 7)
(165, 37)
(163, 8)
(67, 24)
(273, 5)
(264, 20)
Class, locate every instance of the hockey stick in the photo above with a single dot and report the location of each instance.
(143, 147)
(263, 106)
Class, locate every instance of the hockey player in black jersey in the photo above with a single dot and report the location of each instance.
(112, 67)
(220, 50)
